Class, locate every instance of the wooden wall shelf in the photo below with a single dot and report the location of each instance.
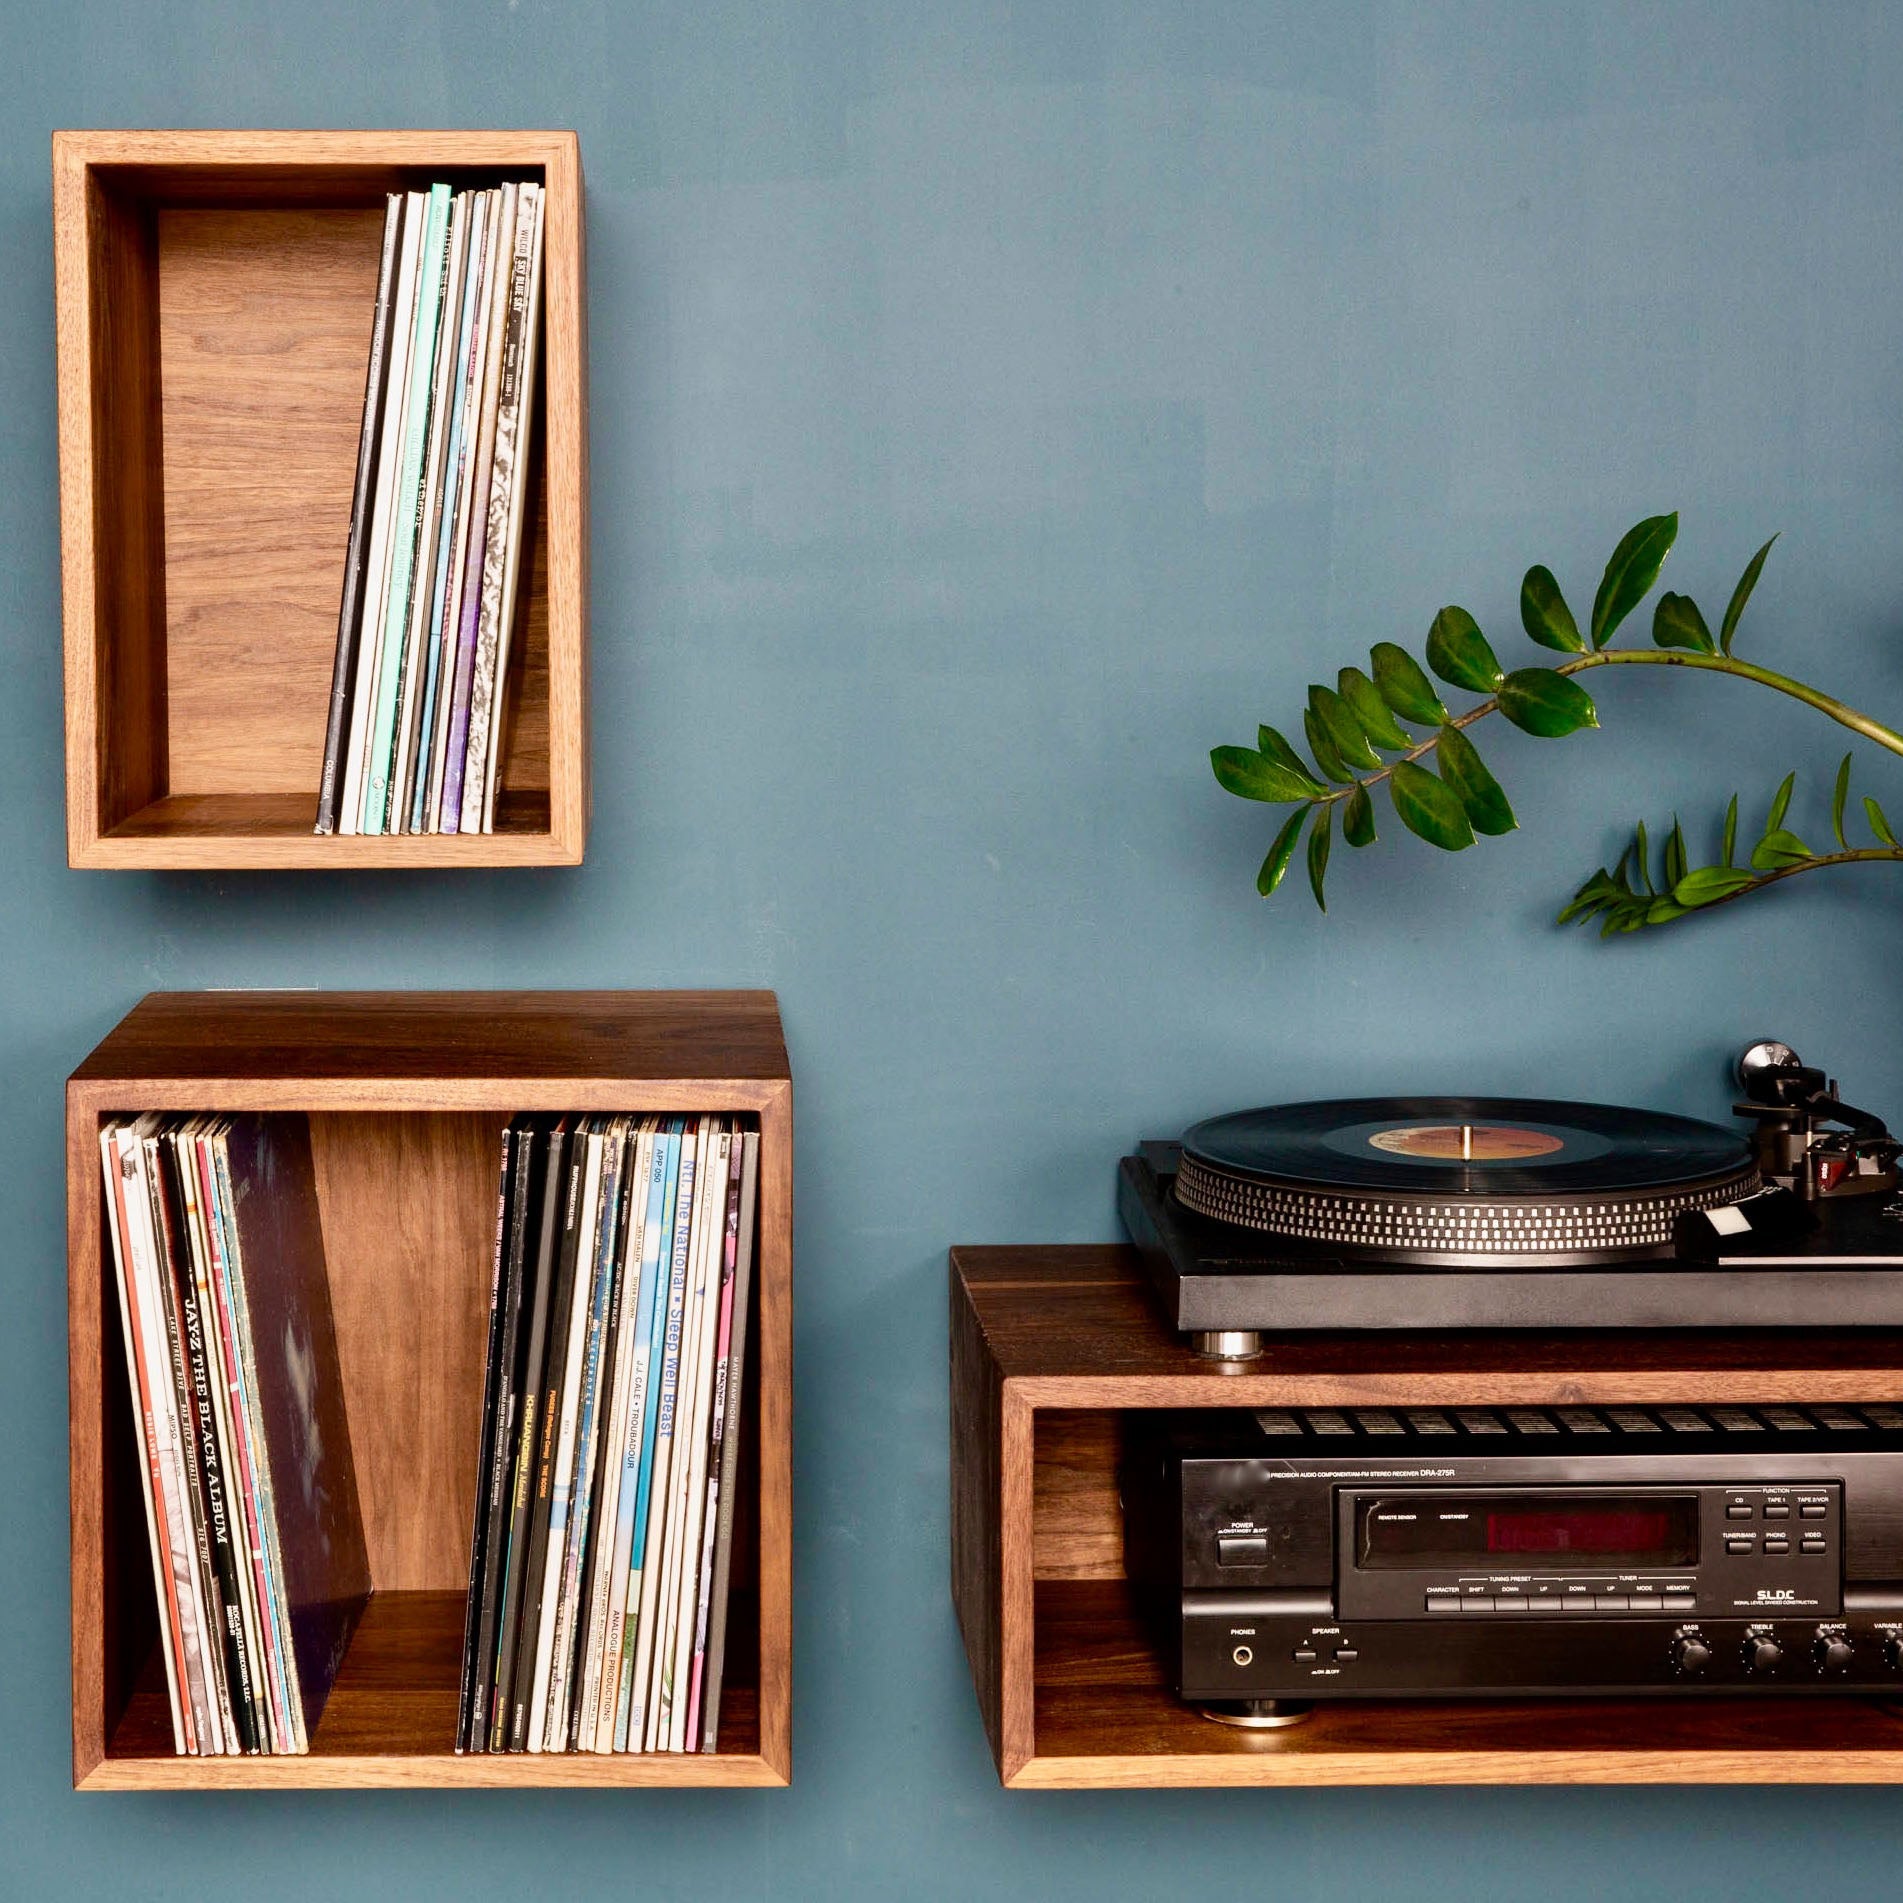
(1051, 1347)
(214, 293)
(407, 1094)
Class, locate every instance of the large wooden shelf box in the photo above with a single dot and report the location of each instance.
(214, 293)
(1051, 1348)
(407, 1095)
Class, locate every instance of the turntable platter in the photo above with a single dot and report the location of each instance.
(1458, 1181)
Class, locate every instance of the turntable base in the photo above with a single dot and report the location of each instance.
(1219, 1280)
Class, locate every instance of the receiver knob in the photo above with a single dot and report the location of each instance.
(1832, 1650)
(1690, 1653)
(1761, 1652)
(1893, 1651)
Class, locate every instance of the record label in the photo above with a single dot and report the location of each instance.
(1467, 1142)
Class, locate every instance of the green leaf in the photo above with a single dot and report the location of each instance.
(1663, 911)
(1284, 755)
(1630, 574)
(1779, 849)
(1709, 884)
(1780, 803)
(1879, 823)
(1371, 711)
(1676, 623)
(1740, 595)
(1479, 792)
(1731, 830)
(1545, 615)
(1675, 861)
(1319, 835)
(1642, 857)
(1837, 800)
(1253, 776)
(1319, 744)
(1429, 807)
(1540, 701)
(1597, 893)
(1341, 726)
(1405, 688)
(1357, 818)
(1457, 651)
(1277, 863)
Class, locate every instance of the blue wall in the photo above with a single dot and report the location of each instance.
(993, 406)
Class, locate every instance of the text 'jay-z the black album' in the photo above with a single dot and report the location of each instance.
(1469, 1212)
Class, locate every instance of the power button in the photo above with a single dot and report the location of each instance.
(1242, 1549)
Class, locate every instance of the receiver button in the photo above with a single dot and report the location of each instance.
(1476, 1602)
(1442, 1602)
(1305, 1655)
(1777, 1509)
(1735, 1512)
(1680, 1601)
(1611, 1602)
(1739, 1545)
(1811, 1543)
(1811, 1510)
(1242, 1550)
(1776, 1544)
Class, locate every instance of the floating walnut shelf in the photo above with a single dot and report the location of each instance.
(406, 1095)
(1052, 1348)
(214, 296)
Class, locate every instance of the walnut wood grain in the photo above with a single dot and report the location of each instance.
(406, 1094)
(408, 1208)
(498, 1043)
(1051, 1346)
(977, 1514)
(1077, 1328)
(1077, 1522)
(391, 1720)
(214, 296)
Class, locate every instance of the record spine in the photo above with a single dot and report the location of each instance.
(471, 1705)
(151, 1479)
(552, 1650)
(210, 1618)
(215, 1527)
(730, 1447)
(476, 554)
(357, 552)
(523, 1478)
(484, 685)
(530, 1674)
(383, 515)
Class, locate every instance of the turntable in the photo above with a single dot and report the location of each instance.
(1457, 1212)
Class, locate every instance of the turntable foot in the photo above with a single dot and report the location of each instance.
(1227, 1344)
(1258, 1714)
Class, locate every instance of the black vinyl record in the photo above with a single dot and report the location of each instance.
(1463, 1179)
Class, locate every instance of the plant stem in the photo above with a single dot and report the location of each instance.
(1872, 730)
(1852, 856)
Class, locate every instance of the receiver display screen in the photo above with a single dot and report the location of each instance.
(1529, 1531)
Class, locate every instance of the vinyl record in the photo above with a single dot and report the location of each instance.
(1460, 1180)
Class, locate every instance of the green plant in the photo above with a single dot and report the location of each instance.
(1367, 714)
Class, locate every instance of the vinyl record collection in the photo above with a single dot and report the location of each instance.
(434, 559)
(604, 1521)
(258, 1557)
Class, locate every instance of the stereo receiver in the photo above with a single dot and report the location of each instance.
(1286, 1556)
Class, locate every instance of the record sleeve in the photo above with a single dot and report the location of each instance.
(279, 1258)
